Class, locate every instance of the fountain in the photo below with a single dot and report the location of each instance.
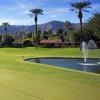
(85, 47)
(92, 65)
(85, 50)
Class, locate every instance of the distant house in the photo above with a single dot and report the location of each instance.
(50, 43)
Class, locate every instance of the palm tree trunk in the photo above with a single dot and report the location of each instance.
(35, 19)
(81, 30)
(36, 36)
(81, 36)
(6, 35)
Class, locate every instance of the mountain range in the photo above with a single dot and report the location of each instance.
(54, 25)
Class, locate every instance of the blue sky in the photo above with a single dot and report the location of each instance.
(16, 12)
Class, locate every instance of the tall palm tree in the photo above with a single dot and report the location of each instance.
(79, 7)
(5, 24)
(67, 25)
(36, 12)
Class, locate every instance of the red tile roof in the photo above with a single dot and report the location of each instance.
(51, 41)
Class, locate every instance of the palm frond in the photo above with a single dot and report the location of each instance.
(81, 5)
(31, 15)
(85, 10)
(36, 11)
(6, 24)
(72, 9)
(88, 7)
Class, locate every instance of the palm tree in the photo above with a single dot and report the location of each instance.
(36, 12)
(67, 25)
(5, 24)
(79, 7)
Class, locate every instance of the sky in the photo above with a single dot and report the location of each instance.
(16, 12)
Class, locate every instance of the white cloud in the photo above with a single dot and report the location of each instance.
(54, 13)
(8, 8)
(53, 16)
(24, 7)
(21, 7)
(17, 21)
(60, 10)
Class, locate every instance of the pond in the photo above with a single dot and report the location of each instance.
(93, 65)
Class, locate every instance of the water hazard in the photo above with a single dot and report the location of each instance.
(92, 65)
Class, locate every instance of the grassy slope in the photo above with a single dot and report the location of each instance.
(20, 80)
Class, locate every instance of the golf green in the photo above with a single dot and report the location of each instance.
(20, 80)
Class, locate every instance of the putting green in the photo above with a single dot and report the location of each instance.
(20, 80)
(18, 85)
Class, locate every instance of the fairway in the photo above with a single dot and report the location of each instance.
(20, 80)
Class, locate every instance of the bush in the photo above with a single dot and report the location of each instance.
(27, 42)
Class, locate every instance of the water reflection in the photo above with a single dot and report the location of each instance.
(37, 60)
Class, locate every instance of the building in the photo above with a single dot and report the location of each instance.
(50, 43)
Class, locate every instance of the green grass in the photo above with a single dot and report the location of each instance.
(20, 80)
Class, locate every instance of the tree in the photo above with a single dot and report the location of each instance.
(27, 42)
(45, 35)
(9, 39)
(67, 25)
(79, 7)
(21, 35)
(36, 12)
(59, 31)
(49, 31)
(94, 25)
(29, 35)
(60, 34)
(5, 24)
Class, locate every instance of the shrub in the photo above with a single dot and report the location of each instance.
(27, 42)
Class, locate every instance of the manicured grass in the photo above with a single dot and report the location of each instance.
(20, 80)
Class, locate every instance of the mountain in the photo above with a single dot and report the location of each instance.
(54, 25)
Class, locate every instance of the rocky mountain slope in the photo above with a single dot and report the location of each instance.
(54, 25)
